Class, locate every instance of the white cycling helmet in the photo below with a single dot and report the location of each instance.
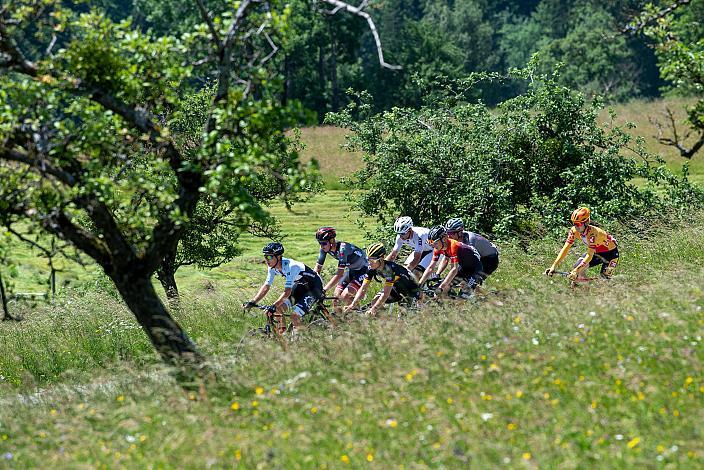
(403, 224)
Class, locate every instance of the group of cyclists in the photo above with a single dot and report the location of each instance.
(471, 258)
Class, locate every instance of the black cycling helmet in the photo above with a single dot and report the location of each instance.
(273, 248)
(325, 233)
(454, 225)
(436, 233)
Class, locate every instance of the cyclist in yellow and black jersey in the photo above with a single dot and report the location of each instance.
(602, 248)
(399, 283)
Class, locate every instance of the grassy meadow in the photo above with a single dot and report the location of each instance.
(533, 375)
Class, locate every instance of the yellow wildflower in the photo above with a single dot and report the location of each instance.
(259, 391)
(235, 406)
(345, 459)
(370, 457)
(633, 442)
(526, 456)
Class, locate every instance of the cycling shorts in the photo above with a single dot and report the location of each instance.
(353, 278)
(607, 259)
(304, 295)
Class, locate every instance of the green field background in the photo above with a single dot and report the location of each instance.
(534, 375)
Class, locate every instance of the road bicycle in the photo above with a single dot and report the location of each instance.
(319, 314)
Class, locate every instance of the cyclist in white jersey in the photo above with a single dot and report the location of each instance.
(302, 287)
(417, 239)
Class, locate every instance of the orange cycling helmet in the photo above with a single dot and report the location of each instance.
(580, 215)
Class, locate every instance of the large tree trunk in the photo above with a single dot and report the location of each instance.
(333, 73)
(167, 336)
(3, 298)
(167, 277)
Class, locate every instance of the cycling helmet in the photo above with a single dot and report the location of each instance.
(436, 233)
(274, 248)
(376, 250)
(454, 225)
(325, 233)
(403, 224)
(580, 215)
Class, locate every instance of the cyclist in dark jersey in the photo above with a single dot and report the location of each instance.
(465, 262)
(487, 250)
(302, 284)
(351, 265)
(399, 283)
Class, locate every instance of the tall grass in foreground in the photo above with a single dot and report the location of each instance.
(535, 374)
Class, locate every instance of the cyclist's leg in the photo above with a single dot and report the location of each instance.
(609, 263)
(279, 319)
(301, 299)
(583, 273)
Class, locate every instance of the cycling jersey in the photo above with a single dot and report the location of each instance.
(458, 252)
(466, 256)
(294, 272)
(347, 256)
(393, 273)
(418, 240)
(596, 239)
(487, 250)
(306, 284)
(404, 284)
(483, 246)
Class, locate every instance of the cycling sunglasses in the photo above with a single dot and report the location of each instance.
(324, 243)
(269, 257)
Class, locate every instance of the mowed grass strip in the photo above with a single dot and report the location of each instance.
(535, 374)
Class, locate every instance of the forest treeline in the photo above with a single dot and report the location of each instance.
(323, 55)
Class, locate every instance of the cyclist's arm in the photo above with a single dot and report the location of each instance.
(360, 294)
(414, 262)
(394, 252)
(333, 280)
(447, 282)
(443, 265)
(565, 249)
(319, 263)
(263, 290)
(382, 298)
(428, 270)
(282, 298)
(585, 262)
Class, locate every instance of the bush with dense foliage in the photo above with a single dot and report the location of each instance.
(525, 164)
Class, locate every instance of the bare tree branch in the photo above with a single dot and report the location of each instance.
(359, 11)
(675, 140)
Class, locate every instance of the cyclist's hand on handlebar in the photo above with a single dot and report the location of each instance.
(550, 271)
(572, 275)
(249, 304)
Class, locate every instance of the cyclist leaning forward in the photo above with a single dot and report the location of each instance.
(417, 239)
(601, 248)
(302, 284)
(487, 250)
(465, 262)
(351, 265)
(399, 283)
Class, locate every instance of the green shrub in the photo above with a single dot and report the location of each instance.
(524, 165)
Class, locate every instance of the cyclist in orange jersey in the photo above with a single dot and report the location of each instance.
(601, 248)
